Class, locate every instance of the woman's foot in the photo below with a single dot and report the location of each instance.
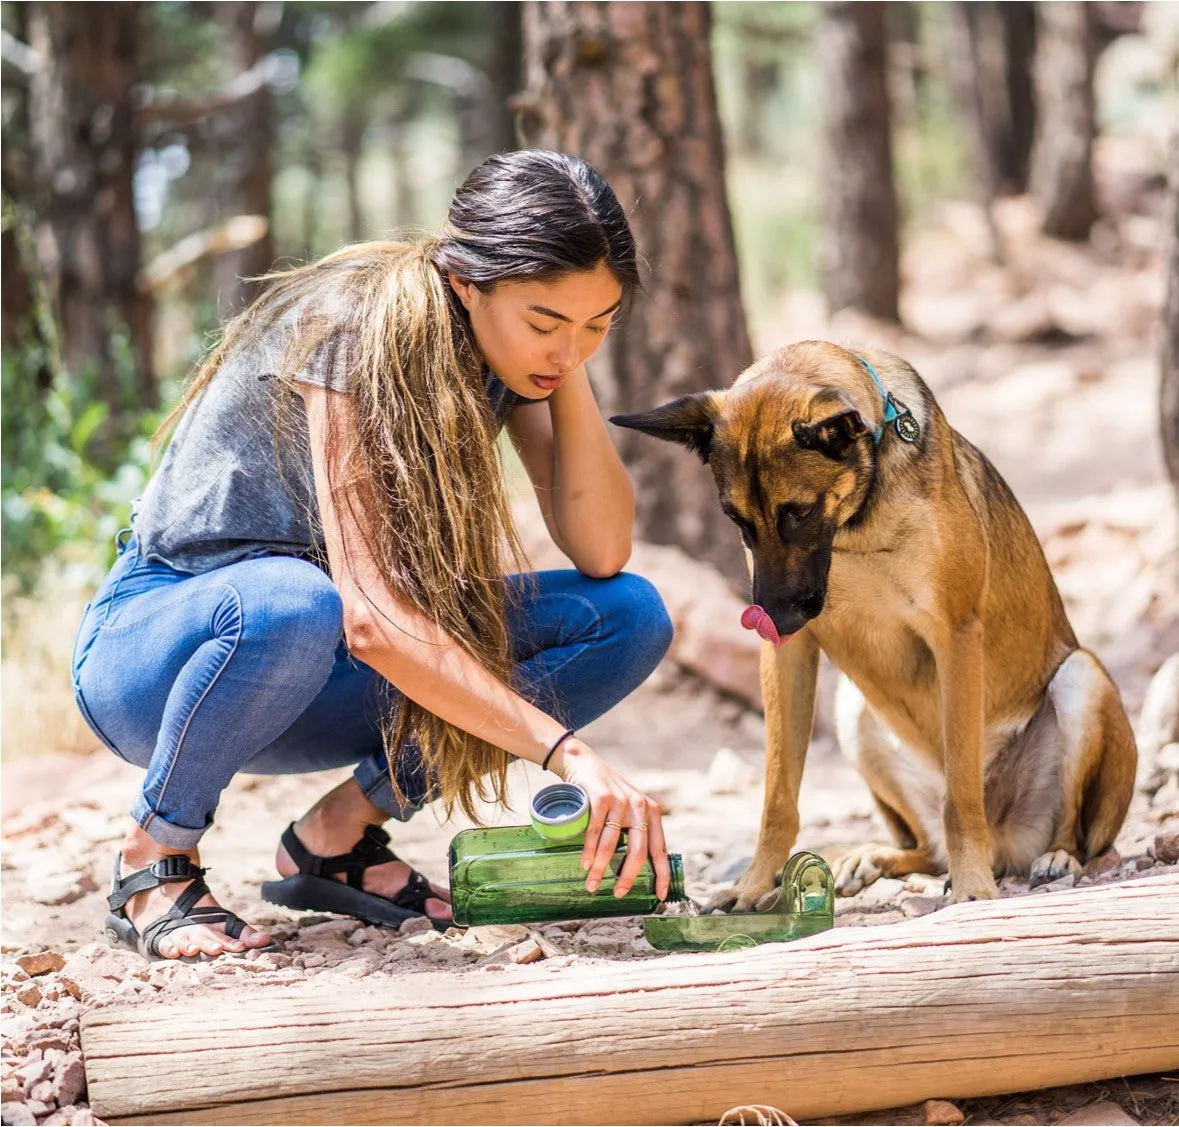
(140, 851)
(334, 825)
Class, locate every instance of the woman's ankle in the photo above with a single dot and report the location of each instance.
(344, 809)
(140, 849)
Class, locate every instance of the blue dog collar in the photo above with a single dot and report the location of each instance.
(895, 412)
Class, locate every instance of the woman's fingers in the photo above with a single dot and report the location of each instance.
(657, 848)
(636, 846)
(599, 812)
(607, 844)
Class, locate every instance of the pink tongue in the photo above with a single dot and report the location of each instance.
(755, 618)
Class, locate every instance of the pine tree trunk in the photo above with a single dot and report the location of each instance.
(1062, 170)
(82, 132)
(628, 86)
(1169, 392)
(506, 73)
(860, 254)
(246, 128)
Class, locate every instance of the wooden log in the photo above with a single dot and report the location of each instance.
(978, 999)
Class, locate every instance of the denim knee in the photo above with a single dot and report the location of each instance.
(291, 602)
(639, 612)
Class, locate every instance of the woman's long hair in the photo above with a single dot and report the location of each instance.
(423, 480)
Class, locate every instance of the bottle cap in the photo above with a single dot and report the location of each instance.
(560, 812)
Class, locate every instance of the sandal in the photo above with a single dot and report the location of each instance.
(120, 931)
(315, 889)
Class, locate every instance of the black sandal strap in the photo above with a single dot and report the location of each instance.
(371, 849)
(414, 895)
(167, 870)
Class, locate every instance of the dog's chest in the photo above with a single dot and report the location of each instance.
(873, 628)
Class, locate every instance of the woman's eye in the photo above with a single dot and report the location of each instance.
(599, 329)
(541, 332)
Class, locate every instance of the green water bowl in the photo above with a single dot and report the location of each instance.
(805, 906)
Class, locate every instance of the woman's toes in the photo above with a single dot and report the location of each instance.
(438, 908)
(256, 938)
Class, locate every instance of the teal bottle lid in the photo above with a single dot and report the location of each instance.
(560, 812)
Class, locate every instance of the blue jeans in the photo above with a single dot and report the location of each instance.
(244, 668)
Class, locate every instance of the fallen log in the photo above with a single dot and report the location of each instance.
(978, 999)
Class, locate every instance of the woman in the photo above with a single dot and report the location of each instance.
(317, 574)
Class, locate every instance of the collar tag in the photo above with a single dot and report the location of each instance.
(907, 428)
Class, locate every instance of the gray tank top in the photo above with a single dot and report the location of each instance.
(218, 495)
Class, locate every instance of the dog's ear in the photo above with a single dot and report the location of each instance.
(834, 436)
(688, 420)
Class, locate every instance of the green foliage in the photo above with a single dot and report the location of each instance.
(63, 492)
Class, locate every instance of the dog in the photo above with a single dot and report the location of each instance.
(992, 742)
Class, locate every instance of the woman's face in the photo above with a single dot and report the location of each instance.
(533, 334)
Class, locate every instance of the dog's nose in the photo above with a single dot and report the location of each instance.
(810, 604)
(789, 621)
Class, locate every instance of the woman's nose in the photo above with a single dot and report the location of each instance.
(564, 355)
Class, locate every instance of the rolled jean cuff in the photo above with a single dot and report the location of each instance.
(163, 832)
(373, 780)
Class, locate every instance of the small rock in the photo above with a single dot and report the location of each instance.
(41, 963)
(729, 773)
(69, 1080)
(1103, 863)
(527, 951)
(916, 906)
(332, 929)
(42, 1093)
(415, 925)
(424, 938)
(30, 995)
(50, 1040)
(314, 959)
(494, 937)
(881, 892)
(1141, 863)
(1166, 843)
(1103, 1114)
(941, 1113)
(56, 889)
(35, 1072)
(18, 1114)
(40, 1107)
(1058, 885)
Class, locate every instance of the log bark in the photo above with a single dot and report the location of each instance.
(629, 87)
(860, 255)
(978, 999)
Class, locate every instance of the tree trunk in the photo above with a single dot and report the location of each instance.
(1169, 391)
(860, 264)
(506, 73)
(995, 87)
(1062, 169)
(246, 151)
(351, 147)
(82, 132)
(980, 999)
(628, 86)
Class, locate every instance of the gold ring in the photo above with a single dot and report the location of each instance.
(641, 826)
(616, 825)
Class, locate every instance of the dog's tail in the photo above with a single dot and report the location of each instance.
(1111, 786)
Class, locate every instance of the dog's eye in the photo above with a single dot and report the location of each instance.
(748, 532)
(790, 515)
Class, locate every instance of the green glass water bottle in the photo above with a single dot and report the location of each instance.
(533, 873)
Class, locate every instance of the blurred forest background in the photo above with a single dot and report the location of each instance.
(957, 181)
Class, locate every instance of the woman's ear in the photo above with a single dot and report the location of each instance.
(463, 288)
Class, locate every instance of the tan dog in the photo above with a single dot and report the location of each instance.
(992, 742)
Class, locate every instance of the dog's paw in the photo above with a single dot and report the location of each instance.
(745, 895)
(972, 886)
(859, 868)
(1052, 866)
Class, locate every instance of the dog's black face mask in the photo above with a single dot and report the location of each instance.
(790, 470)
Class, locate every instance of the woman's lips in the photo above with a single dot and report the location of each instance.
(755, 618)
(548, 383)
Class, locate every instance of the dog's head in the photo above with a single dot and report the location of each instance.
(793, 461)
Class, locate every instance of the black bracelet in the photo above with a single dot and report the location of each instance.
(544, 766)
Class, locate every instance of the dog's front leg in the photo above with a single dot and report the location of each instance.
(961, 675)
(788, 677)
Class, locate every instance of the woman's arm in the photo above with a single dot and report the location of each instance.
(581, 484)
(405, 647)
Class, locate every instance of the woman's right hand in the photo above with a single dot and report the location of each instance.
(615, 805)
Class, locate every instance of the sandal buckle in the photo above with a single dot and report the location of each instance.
(177, 867)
